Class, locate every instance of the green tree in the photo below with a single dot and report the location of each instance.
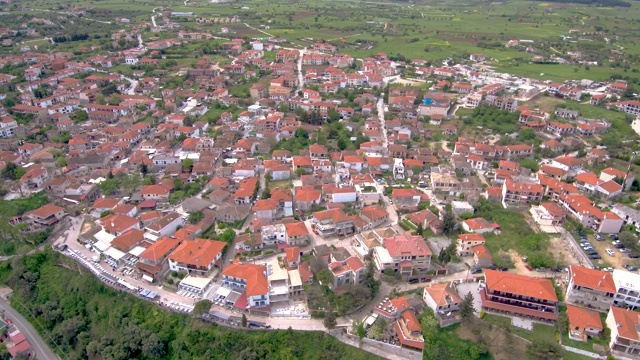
(530, 164)
(466, 307)
(144, 169)
(563, 323)
(109, 186)
(544, 350)
(449, 223)
(187, 165)
(370, 281)
(202, 307)
(61, 161)
(301, 171)
(628, 239)
(244, 320)
(114, 100)
(12, 171)
(330, 321)
(195, 217)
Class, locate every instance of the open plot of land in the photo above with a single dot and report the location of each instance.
(501, 343)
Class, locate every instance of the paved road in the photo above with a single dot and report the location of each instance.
(40, 347)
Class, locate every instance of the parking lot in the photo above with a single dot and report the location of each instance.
(619, 260)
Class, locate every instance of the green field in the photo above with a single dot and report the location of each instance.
(430, 31)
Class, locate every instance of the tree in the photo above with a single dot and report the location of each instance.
(448, 222)
(301, 171)
(420, 229)
(80, 116)
(114, 100)
(379, 327)
(267, 177)
(358, 328)
(187, 165)
(61, 161)
(370, 281)
(628, 239)
(144, 169)
(466, 307)
(195, 217)
(330, 321)
(12, 171)
(202, 307)
(527, 134)
(544, 350)
(563, 323)
(244, 320)
(530, 164)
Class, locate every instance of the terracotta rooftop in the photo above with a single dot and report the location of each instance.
(520, 285)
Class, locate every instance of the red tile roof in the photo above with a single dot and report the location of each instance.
(159, 249)
(197, 252)
(254, 275)
(130, 238)
(407, 245)
(628, 321)
(593, 279)
(583, 318)
(46, 210)
(520, 285)
(296, 229)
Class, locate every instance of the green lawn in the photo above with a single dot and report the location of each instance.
(20, 206)
(516, 234)
(540, 331)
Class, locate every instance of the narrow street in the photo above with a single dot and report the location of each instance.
(40, 347)
(300, 75)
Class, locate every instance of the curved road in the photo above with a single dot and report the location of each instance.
(40, 347)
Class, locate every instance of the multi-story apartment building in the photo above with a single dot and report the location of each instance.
(514, 192)
(333, 222)
(196, 257)
(348, 272)
(403, 253)
(590, 287)
(625, 333)
(628, 289)
(251, 279)
(519, 295)
(582, 209)
(466, 242)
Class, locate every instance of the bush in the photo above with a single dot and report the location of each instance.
(170, 281)
(268, 252)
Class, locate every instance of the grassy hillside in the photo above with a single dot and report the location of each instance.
(87, 320)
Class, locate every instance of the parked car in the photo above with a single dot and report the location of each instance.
(414, 281)
(476, 270)
(624, 250)
(541, 269)
(425, 279)
(595, 256)
(633, 255)
(615, 242)
(610, 252)
(504, 269)
(618, 246)
(613, 236)
(632, 268)
(599, 237)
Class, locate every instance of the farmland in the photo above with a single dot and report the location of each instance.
(424, 30)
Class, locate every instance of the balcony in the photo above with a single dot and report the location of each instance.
(510, 308)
